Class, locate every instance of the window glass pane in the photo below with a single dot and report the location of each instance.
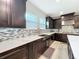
(47, 23)
(42, 23)
(31, 21)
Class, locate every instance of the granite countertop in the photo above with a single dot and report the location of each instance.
(49, 33)
(11, 44)
(16, 42)
(67, 33)
(74, 43)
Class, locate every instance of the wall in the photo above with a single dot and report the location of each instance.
(68, 22)
(33, 9)
(67, 29)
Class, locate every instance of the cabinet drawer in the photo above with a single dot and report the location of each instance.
(19, 53)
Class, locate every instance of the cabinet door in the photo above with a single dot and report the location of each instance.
(4, 10)
(39, 48)
(76, 25)
(61, 37)
(49, 42)
(58, 37)
(51, 24)
(12, 13)
(42, 46)
(57, 24)
(18, 9)
(36, 49)
(21, 53)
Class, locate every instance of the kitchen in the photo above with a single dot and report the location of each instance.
(39, 29)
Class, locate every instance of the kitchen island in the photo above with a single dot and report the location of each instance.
(74, 45)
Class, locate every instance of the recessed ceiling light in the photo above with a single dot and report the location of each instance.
(61, 12)
(57, 0)
(62, 17)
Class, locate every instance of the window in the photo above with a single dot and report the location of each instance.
(42, 23)
(47, 24)
(31, 21)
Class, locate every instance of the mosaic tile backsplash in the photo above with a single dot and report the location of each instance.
(11, 33)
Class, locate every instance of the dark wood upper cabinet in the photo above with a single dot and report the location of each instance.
(68, 14)
(53, 23)
(12, 13)
(3, 14)
(18, 13)
(76, 19)
(57, 24)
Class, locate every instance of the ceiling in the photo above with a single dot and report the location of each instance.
(57, 7)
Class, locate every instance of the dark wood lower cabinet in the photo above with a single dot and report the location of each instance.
(31, 50)
(17, 53)
(37, 48)
(61, 37)
(49, 41)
